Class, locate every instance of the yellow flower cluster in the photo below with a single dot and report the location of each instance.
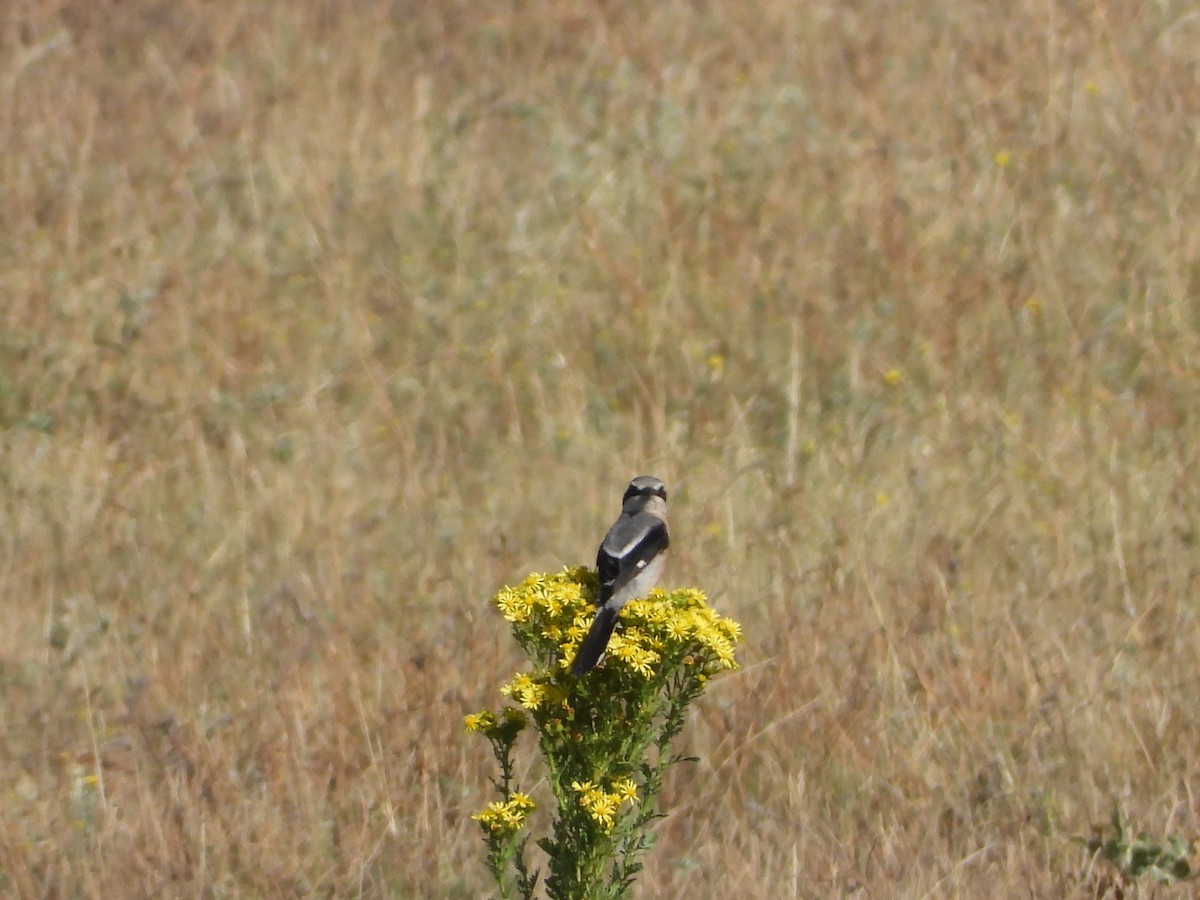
(603, 805)
(529, 693)
(545, 597)
(683, 616)
(509, 722)
(506, 815)
(481, 722)
(633, 648)
(555, 611)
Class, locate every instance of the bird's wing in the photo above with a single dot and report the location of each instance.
(627, 549)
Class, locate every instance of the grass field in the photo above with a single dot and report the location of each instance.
(321, 321)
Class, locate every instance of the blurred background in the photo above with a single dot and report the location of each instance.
(322, 321)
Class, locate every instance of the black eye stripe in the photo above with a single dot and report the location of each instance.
(645, 486)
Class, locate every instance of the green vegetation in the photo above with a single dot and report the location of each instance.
(604, 739)
(1131, 858)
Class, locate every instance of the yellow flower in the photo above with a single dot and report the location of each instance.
(893, 376)
(521, 681)
(517, 810)
(534, 697)
(603, 808)
(579, 626)
(625, 789)
(525, 691)
(522, 801)
(514, 606)
(642, 662)
(552, 613)
(633, 636)
(507, 815)
(725, 655)
(493, 817)
(1003, 158)
(600, 805)
(678, 628)
(480, 721)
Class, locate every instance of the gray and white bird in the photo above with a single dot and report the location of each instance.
(630, 561)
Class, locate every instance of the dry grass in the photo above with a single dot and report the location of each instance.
(311, 311)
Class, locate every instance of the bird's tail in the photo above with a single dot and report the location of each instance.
(596, 641)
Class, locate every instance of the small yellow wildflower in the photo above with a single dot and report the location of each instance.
(529, 693)
(644, 662)
(603, 808)
(521, 682)
(634, 635)
(647, 610)
(521, 800)
(1003, 158)
(600, 805)
(579, 626)
(501, 815)
(638, 659)
(893, 376)
(480, 721)
(566, 654)
(724, 651)
(638, 608)
(514, 606)
(625, 789)
(678, 628)
(494, 817)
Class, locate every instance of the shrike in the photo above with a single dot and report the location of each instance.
(630, 561)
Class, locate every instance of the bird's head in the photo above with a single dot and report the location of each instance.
(645, 486)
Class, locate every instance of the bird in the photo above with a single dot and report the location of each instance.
(629, 562)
